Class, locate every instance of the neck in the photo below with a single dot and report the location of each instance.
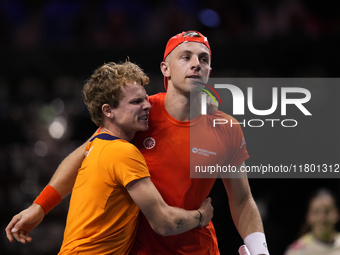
(182, 107)
(325, 237)
(117, 132)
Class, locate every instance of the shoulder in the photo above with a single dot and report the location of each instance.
(222, 115)
(157, 97)
(225, 122)
(121, 149)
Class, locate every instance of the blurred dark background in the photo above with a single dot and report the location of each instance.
(49, 48)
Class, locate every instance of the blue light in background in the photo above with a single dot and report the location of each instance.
(209, 18)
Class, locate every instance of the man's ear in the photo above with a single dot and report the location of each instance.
(165, 69)
(107, 110)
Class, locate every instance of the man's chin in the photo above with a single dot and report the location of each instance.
(194, 90)
(144, 128)
(196, 82)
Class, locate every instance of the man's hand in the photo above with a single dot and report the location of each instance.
(207, 211)
(22, 223)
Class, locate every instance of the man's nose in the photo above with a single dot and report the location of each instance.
(147, 105)
(195, 63)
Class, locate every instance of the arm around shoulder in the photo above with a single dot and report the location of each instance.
(64, 177)
(164, 219)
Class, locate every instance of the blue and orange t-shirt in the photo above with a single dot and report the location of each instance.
(102, 217)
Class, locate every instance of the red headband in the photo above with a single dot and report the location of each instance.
(180, 38)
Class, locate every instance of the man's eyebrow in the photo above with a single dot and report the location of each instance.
(138, 97)
(185, 52)
(190, 52)
(135, 99)
(206, 54)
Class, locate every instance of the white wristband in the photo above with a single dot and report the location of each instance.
(256, 243)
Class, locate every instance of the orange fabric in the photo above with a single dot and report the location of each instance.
(102, 217)
(167, 147)
(48, 198)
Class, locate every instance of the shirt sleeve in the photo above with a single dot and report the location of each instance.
(238, 146)
(123, 163)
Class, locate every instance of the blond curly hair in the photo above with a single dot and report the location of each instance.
(104, 85)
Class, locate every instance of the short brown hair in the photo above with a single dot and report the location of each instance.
(104, 85)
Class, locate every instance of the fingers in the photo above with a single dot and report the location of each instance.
(210, 201)
(243, 250)
(21, 236)
(10, 226)
(9, 235)
(207, 211)
(14, 229)
(28, 239)
(16, 235)
(207, 202)
(24, 236)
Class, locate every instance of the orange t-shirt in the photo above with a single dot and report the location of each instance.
(170, 148)
(102, 217)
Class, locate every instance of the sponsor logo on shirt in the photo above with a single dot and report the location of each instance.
(203, 152)
(149, 143)
(243, 142)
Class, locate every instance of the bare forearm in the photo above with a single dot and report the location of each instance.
(243, 208)
(246, 217)
(164, 219)
(66, 173)
(176, 221)
(249, 225)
